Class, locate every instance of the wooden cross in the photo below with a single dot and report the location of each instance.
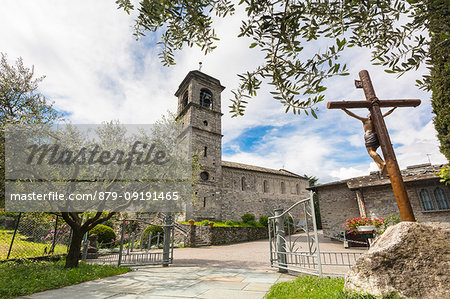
(374, 105)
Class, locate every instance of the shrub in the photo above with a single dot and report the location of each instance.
(444, 174)
(8, 214)
(7, 222)
(105, 233)
(229, 222)
(264, 220)
(288, 221)
(110, 223)
(393, 219)
(154, 230)
(205, 223)
(252, 223)
(248, 217)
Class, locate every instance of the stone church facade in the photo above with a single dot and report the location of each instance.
(227, 190)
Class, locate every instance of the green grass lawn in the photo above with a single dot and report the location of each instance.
(24, 249)
(20, 279)
(312, 287)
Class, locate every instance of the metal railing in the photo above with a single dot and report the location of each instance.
(138, 247)
(281, 248)
(289, 253)
(147, 257)
(340, 258)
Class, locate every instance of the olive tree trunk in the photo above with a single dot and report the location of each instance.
(73, 256)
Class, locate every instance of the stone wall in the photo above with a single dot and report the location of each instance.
(237, 202)
(337, 204)
(380, 202)
(216, 235)
(180, 237)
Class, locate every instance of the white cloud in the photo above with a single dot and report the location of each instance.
(420, 146)
(356, 140)
(346, 173)
(87, 51)
(300, 153)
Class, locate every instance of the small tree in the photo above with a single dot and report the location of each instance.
(20, 103)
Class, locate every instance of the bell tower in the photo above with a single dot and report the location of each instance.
(199, 106)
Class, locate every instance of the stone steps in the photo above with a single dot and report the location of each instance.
(199, 242)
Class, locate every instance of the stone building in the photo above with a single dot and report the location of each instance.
(371, 196)
(227, 190)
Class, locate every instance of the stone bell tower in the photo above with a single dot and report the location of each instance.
(199, 106)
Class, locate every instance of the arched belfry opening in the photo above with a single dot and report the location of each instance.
(199, 90)
(185, 98)
(206, 98)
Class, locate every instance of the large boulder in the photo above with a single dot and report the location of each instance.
(410, 258)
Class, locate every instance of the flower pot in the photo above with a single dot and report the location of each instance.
(366, 235)
(355, 236)
(211, 224)
(366, 228)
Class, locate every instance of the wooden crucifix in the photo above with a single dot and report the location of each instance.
(375, 120)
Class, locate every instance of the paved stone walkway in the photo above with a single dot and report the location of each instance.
(231, 271)
(175, 282)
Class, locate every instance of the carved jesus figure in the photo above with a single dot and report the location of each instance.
(371, 139)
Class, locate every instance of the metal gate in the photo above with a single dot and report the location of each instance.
(294, 242)
(141, 243)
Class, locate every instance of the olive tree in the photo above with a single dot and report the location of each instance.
(20, 103)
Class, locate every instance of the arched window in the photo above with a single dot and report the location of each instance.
(265, 186)
(205, 98)
(425, 198)
(243, 183)
(297, 189)
(441, 200)
(283, 188)
(185, 99)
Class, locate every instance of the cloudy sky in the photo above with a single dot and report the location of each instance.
(96, 71)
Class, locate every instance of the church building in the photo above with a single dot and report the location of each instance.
(228, 190)
(372, 196)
